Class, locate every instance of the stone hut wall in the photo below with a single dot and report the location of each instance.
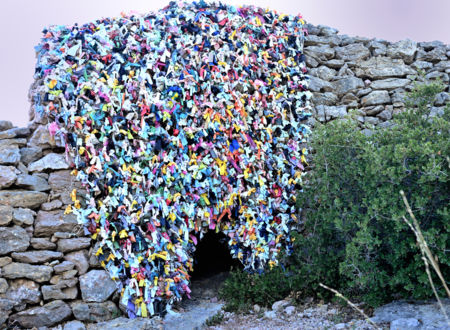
(48, 270)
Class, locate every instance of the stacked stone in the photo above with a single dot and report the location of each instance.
(370, 76)
(47, 269)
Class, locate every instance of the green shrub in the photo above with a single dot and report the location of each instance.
(242, 290)
(354, 238)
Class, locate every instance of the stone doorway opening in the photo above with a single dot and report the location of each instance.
(212, 264)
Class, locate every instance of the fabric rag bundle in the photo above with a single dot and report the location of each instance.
(179, 122)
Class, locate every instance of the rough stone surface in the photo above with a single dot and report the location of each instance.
(23, 216)
(30, 154)
(352, 52)
(95, 312)
(55, 292)
(51, 161)
(50, 314)
(5, 215)
(13, 239)
(63, 266)
(383, 67)
(40, 243)
(36, 257)
(348, 84)
(73, 244)
(429, 314)
(5, 124)
(390, 83)
(36, 273)
(404, 49)
(22, 198)
(91, 291)
(41, 138)
(9, 154)
(63, 183)
(7, 176)
(4, 261)
(23, 292)
(48, 223)
(80, 259)
(49, 206)
(74, 325)
(3, 285)
(32, 182)
(402, 324)
(376, 97)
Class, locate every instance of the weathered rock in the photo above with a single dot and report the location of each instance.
(323, 73)
(49, 206)
(429, 314)
(377, 48)
(23, 216)
(422, 65)
(41, 138)
(13, 239)
(95, 312)
(3, 285)
(319, 85)
(429, 45)
(442, 98)
(54, 292)
(62, 235)
(434, 56)
(409, 323)
(326, 30)
(22, 198)
(50, 314)
(79, 258)
(36, 257)
(390, 83)
(32, 182)
(372, 120)
(404, 49)
(326, 98)
(289, 310)
(348, 84)
(321, 53)
(335, 64)
(383, 67)
(4, 261)
(385, 114)
(9, 154)
(376, 97)
(14, 132)
(40, 243)
(123, 323)
(51, 161)
(67, 282)
(91, 291)
(73, 244)
(279, 305)
(7, 176)
(63, 183)
(74, 325)
(36, 273)
(352, 52)
(48, 223)
(93, 260)
(313, 40)
(5, 124)
(23, 292)
(5, 215)
(6, 307)
(326, 113)
(30, 154)
(270, 315)
(64, 266)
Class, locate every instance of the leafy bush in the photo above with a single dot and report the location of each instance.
(242, 289)
(353, 238)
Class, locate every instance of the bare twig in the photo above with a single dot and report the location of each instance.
(338, 294)
(427, 256)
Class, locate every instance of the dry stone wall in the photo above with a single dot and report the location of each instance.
(48, 270)
(370, 76)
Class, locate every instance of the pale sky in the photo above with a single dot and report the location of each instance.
(22, 21)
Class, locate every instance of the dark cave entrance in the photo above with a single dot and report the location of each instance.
(212, 257)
